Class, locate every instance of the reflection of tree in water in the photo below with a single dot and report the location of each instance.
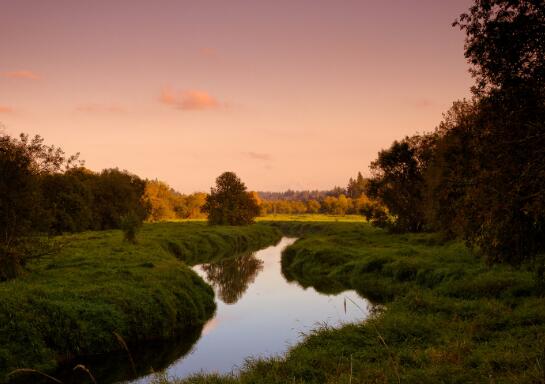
(231, 277)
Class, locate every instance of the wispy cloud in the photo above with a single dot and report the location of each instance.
(422, 103)
(208, 53)
(100, 108)
(22, 74)
(6, 110)
(258, 156)
(190, 100)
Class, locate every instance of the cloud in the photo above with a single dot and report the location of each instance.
(422, 103)
(208, 53)
(190, 100)
(100, 108)
(258, 156)
(6, 110)
(27, 75)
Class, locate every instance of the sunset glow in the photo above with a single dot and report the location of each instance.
(287, 94)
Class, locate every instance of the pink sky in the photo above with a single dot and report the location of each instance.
(287, 93)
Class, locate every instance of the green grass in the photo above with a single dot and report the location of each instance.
(442, 316)
(311, 217)
(72, 303)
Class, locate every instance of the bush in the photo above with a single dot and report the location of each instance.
(130, 224)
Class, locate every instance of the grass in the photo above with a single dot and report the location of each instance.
(74, 303)
(442, 315)
(310, 217)
(284, 217)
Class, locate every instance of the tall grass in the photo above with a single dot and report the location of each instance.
(75, 302)
(447, 317)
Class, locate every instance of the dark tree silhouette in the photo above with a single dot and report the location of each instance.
(505, 42)
(24, 162)
(229, 203)
(397, 181)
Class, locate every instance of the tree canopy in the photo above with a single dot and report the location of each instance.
(229, 203)
(505, 41)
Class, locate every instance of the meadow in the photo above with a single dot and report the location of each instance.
(441, 314)
(99, 290)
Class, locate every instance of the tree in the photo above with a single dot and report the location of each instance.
(356, 187)
(397, 180)
(313, 206)
(487, 179)
(342, 206)
(116, 194)
(24, 162)
(491, 179)
(505, 42)
(229, 203)
(161, 200)
(195, 203)
(67, 201)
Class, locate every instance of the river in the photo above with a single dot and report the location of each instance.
(259, 314)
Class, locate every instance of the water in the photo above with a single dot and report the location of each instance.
(259, 313)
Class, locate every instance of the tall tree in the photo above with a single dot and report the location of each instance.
(397, 180)
(229, 203)
(501, 205)
(356, 187)
(24, 162)
(505, 42)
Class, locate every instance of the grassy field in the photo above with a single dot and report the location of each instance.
(442, 316)
(75, 302)
(307, 217)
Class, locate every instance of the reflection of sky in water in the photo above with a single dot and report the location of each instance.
(268, 318)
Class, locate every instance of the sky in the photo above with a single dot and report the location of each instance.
(298, 94)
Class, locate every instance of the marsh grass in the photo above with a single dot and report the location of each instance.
(445, 317)
(71, 303)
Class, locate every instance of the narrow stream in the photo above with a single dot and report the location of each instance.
(259, 313)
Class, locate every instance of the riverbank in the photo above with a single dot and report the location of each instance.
(75, 302)
(442, 314)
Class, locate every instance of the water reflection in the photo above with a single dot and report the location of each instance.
(259, 314)
(232, 277)
(117, 367)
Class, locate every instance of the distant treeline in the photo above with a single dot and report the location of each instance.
(337, 201)
(355, 188)
(166, 204)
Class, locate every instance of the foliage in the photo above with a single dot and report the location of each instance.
(474, 192)
(24, 162)
(356, 187)
(397, 181)
(486, 182)
(505, 42)
(229, 203)
(329, 205)
(68, 201)
(480, 175)
(167, 204)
